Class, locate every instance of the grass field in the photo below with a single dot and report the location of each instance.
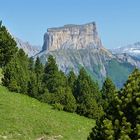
(24, 118)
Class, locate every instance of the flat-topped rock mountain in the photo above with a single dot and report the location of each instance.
(72, 36)
(76, 46)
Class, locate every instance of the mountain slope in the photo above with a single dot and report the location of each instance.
(22, 117)
(97, 62)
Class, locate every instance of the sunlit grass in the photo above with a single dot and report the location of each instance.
(22, 117)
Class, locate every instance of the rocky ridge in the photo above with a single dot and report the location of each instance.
(131, 49)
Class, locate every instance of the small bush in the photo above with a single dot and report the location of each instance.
(58, 106)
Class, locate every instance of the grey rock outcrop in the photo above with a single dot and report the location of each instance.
(72, 36)
(124, 57)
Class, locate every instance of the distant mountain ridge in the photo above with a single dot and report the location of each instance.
(131, 49)
(29, 49)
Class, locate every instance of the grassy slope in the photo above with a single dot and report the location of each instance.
(22, 117)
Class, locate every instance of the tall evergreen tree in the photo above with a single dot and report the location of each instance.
(72, 80)
(7, 46)
(31, 64)
(23, 61)
(33, 85)
(16, 73)
(108, 92)
(87, 95)
(56, 83)
(123, 120)
(39, 71)
(52, 77)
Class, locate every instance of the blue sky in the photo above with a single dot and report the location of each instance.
(118, 21)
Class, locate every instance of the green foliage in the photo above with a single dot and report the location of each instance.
(122, 117)
(69, 101)
(72, 80)
(7, 46)
(58, 106)
(33, 85)
(16, 74)
(56, 83)
(31, 64)
(108, 92)
(52, 77)
(88, 96)
(39, 72)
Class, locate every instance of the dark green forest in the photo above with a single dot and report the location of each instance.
(116, 111)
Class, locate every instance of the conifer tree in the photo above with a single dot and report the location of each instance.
(52, 77)
(56, 83)
(87, 95)
(39, 71)
(31, 64)
(123, 120)
(33, 85)
(23, 78)
(108, 92)
(69, 101)
(72, 80)
(16, 73)
(7, 46)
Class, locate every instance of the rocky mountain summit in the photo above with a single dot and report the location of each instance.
(76, 46)
(72, 36)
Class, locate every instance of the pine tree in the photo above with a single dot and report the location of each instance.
(124, 117)
(108, 92)
(72, 80)
(31, 64)
(7, 46)
(59, 92)
(87, 95)
(10, 78)
(52, 77)
(23, 61)
(32, 85)
(16, 73)
(39, 71)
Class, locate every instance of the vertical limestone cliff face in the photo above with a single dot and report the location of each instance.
(72, 36)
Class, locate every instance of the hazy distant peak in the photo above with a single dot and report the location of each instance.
(29, 49)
